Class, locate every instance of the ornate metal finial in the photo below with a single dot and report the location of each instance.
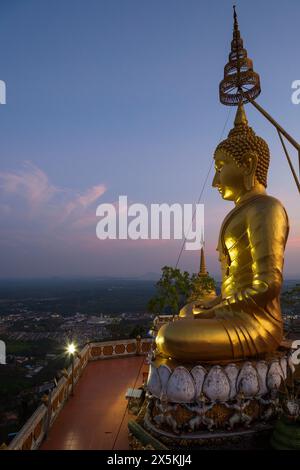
(240, 81)
(236, 26)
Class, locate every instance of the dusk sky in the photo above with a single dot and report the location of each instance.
(120, 97)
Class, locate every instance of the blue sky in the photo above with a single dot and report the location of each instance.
(116, 97)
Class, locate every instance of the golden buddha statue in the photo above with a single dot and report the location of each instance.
(245, 320)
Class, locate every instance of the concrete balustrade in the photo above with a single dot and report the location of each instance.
(37, 426)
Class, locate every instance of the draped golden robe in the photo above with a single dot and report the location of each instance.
(248, 322)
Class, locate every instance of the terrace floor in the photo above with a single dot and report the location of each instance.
(96, 416)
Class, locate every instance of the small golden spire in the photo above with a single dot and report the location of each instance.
(202, 271)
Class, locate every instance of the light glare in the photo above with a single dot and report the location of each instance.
(71, 348)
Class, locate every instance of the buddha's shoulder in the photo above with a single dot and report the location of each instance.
(266, 204)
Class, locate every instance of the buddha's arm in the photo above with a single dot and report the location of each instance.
(267, 228)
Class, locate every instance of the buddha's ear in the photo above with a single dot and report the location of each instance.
(251, 161)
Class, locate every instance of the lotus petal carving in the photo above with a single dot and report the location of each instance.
(247, 381)
(262, 370)
(216, 385)
(198, 374)
(275, 375)
(219, 383)
(164, 373)
(232, 372)
(154, 383)
(181, 387)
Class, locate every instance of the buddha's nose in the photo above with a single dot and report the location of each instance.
(216, 180)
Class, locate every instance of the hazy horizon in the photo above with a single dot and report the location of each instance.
(144, 277)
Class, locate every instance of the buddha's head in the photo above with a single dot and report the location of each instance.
(241, 160)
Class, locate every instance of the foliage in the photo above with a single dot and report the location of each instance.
(201, 286)
(139, 330)
(172, 291)
(175, 288)
(128, 329)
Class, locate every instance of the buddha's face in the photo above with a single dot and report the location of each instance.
(229, 179)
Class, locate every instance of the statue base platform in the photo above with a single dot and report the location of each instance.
(143, 435)
(209, 402)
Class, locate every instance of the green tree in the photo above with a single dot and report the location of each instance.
(175, 288)
(139, 330)
(201, 286)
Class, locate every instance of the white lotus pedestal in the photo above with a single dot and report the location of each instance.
(207, 404)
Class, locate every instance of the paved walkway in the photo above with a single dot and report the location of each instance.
(91, 419)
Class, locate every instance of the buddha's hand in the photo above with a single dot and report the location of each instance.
(208, 304)
(187, 310)
(199, 313)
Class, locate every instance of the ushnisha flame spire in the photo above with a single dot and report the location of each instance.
(240, 117)
(241, 125)
(240, 82)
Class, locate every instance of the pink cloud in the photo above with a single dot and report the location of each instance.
(83, 201)
(51, 209)
(91, 195)
(30, 183)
